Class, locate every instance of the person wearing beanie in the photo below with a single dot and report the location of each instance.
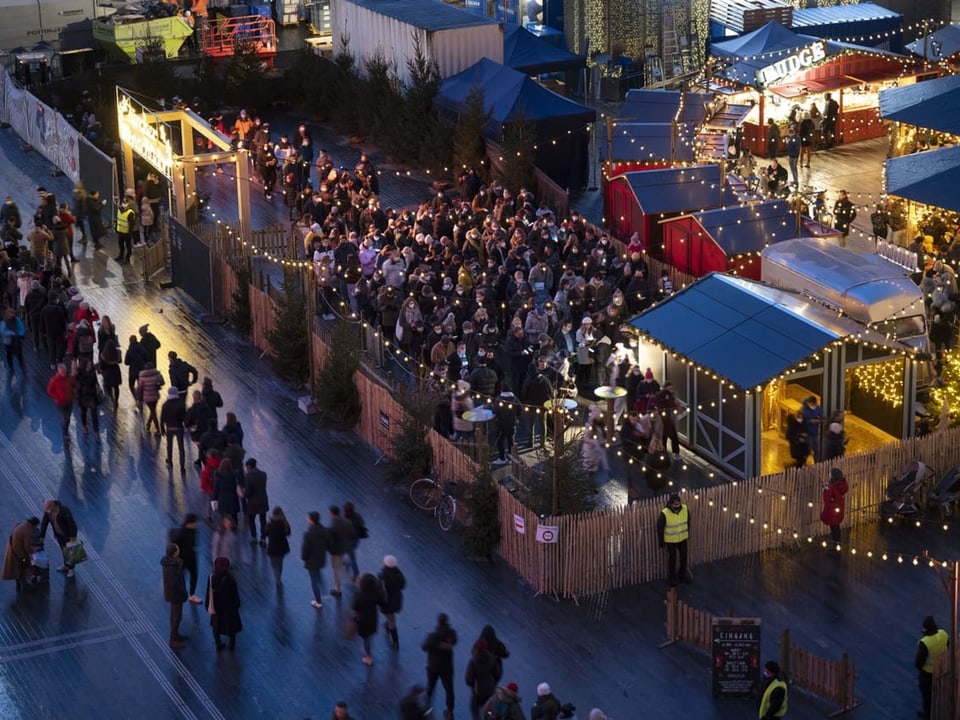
(673, 532)
(933, 643)
(773, 693)
(439, 649)
(597, 714)
(504, 704)
(174, 592)
(834, 505)
(546, 707)
(393, 583)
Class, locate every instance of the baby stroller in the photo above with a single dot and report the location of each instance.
(904, 495)
(946, 492)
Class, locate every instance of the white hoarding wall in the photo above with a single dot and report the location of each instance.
(454, 49)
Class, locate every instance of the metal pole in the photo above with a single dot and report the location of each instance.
(954, 599)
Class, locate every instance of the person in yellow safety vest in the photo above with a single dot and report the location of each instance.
(773, 693)
(933, 643)
(673, 531)
(126, 226)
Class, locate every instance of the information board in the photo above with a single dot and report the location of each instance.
(736, 657)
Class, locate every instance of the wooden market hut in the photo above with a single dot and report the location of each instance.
(729, 239)
(742, 356)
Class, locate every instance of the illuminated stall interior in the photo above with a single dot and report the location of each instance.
(742, 356)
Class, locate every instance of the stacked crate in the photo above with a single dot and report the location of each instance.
(290, 12)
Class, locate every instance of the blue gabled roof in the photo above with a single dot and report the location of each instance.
(746, 332)
(940, 44)
(676, 189)
(429, 15)
(750, 227)
(813, 16)
(650, 141)
(932, 104)
(931, 177)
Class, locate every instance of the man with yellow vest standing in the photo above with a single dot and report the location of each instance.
(773, 693)
(673, 531)
(126, 226)
(932, 644)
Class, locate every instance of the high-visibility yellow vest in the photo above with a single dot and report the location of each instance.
(765, 700)
(124, 217)
(936, 645)
(677, 528)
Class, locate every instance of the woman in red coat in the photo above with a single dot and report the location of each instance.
(834, 503)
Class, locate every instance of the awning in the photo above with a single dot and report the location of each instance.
(812, 87)
(930, 177)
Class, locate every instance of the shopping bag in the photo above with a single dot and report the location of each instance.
(74, 553)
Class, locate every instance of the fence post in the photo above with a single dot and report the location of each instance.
(785, 654)
(844, 680)
(672, 612)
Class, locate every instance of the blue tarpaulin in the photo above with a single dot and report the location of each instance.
(524, 51)
(746, 332)
(932, 104)
(930, 177)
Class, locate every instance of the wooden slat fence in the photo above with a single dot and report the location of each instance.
(277, 241)
(833, 680)
(262, 317)
(944, 688)
(687, 624)
(617, 547)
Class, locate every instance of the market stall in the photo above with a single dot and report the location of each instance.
(783, 74)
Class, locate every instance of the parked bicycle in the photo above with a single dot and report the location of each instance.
(436, 496)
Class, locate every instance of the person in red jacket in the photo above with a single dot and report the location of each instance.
(62, 389)
(834, 504)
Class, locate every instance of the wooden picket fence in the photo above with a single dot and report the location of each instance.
(833, 680)
(944, 689)
(687, 624)
(279, 241)
(617, 547)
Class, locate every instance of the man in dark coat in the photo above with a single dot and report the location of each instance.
(255, 493)
(342, 534)
(182, 373)
(16, 559)
(313, 552)
(393, 582)
(439, 649)
(185, 538)
(60, 518)
(223, 597)
(53, 320)
(149, 344)
(174, 592)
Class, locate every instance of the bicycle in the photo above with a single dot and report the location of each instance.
(436, 496)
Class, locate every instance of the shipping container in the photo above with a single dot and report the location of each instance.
(61, 24)
(453, 37)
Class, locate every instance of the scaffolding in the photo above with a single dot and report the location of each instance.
(221, 37)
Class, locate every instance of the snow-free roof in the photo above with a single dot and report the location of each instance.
(931, 177)
(746, 332)
(748, 228)
(676, 189)
(429, 15)
(633, 141)
(837, 14)
(932, 104)
(524, 51)
(939, 44)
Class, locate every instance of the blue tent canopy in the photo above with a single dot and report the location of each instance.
(930, 177)
(676, 189)
(560, 124)
(932, 104)
(746, 332)
(524, 51)
(943, 43)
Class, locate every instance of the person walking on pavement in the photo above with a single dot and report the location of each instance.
(89, 396)
(483, 673)
(673, 531)
(174, 592)
(212, 398)
(149, 382)
(182, 373)
(149, 344)
(439, 649)
(62, 389)
(173, 417)
(197, 419)
(773, 693)
(53, 321)
(185, 538)
(844, 213)
(367, 599)
(313, 553)
(136, 360)
(834, 505)
(223, 604)
(13, 331)
(393, 582)
(225, 485)
(546, 707)
(58, 517)
(341, 535)
(359, 533)
(276, 534)
(255, 493)
(504, 704)
(933, 643)
(16, 557)
(489, 635)
(223, 542)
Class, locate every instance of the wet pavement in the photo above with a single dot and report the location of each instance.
(95, 645)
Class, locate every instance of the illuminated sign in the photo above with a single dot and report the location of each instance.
(809, 56)
(150, 140)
